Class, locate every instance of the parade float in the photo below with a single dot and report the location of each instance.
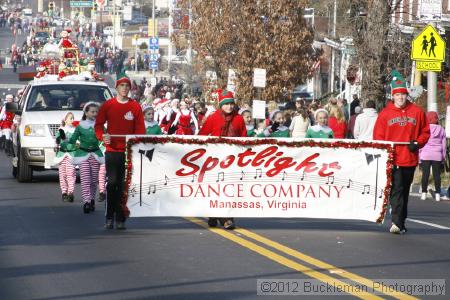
(61, 61)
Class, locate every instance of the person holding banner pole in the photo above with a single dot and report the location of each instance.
(402, 121)
(123, 116)
(224, 122)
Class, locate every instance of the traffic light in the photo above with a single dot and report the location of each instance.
(94, 6)
(51, 5)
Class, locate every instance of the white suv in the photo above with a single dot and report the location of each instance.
(39, 113)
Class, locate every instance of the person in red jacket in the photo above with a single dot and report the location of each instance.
(123, 116)
(224, 122)
(337, 122)
(402, 121)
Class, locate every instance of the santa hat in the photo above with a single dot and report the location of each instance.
(319, 111)
(225, 97)
(243, 110)
(41, 67)
(123, 78)
(398, 83)
(90, 103)
(164, 101)
(273, 113)
(146, 108)
(156, 102)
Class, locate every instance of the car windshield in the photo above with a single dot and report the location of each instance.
(63, 97)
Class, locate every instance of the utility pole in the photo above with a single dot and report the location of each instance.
(114, 26)
(154, 32)
(432, 88)
(333, 54)
(169, 56)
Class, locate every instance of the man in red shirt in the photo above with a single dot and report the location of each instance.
(224, 122)
(123, 116)
(402, 121)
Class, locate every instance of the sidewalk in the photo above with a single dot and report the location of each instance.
(416, 191)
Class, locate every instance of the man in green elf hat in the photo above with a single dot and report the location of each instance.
(402, 121)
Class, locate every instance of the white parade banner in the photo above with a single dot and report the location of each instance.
(239, 177)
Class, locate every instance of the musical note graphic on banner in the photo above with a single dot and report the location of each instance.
(260, 173)
(166, 179)
(218, 176)
(366, 189)
(151, 189)
(303, 176)
(284, 175)
(242, 175)
(349, 185)
(194, 178)
(133, 192)
(330, 180)
(381, 194)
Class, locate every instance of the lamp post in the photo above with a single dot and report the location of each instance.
(114, 26)
(154, 31)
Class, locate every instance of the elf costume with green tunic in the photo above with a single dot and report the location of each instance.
(64, 157)
(89, 145)
(250, 130)
(66, 149)
(281, 132)
(319, 132)
(152, 128)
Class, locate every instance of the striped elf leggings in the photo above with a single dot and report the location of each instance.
(102, 178)
(89, 178)
(67, 176)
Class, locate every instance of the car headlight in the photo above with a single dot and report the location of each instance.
(34, 130)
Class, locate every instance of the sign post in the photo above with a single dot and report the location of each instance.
(428, 50)
(154, 46)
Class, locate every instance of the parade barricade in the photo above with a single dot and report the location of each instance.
(246, 177)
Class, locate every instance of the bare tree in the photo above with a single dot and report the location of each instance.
(380, 45)
(243, 35)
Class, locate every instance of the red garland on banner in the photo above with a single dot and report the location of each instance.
(257, 142)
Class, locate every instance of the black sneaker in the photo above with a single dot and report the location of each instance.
(87, 208)
(92, 205)
(101, 197)
(109, 224)
(70, 197)
(212, 222)
(64, 197)
(120, 226)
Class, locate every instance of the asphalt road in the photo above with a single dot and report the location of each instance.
(51, 250)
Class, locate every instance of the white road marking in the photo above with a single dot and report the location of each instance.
(429, 224)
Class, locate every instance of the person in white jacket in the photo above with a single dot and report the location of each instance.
(365, 122)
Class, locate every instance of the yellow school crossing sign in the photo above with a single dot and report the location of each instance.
(428, 49)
